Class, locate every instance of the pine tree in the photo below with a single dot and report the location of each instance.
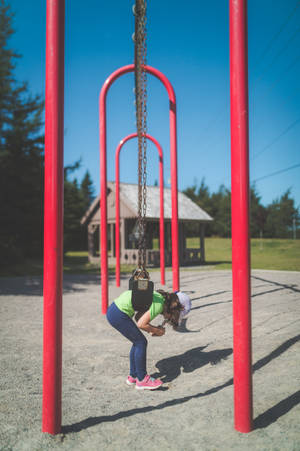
(73, 212)
(191, 192)
(21, 157)
(7, 65)
(258, 214)
(87, 190)
(221, 212)
(280, 216)
(77, 199)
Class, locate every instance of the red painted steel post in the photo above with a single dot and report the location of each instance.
(118, 212)
(174, 194)
(103, 171)
(103, 204)
(53, 230)
(240, 216)
(161, 218)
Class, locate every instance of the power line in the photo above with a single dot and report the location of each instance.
(217, 117)
(216, 120)
(292, 64)
(276, 139)
(254, 129)
(277, 172)
(267, 48)
(281, 51)
(278, 54)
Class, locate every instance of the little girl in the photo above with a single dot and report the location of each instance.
(120, 314)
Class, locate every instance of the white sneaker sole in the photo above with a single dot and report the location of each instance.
(147, 388)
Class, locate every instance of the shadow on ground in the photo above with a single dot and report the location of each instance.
(184, 330)
(262, 421)
(171, 367)
(282, 285)
(208, 263)
(271, 415)
(33, 286)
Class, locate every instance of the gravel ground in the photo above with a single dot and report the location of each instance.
(194, 410)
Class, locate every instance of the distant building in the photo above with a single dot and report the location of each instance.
(188, 213)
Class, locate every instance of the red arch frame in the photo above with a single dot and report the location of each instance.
(103, 175)
(161, 217)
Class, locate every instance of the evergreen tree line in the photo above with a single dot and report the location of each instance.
(77, 198)
(22, 166)
(280, 219)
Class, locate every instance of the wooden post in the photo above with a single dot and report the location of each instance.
(112, 239)
(202, 243)
(91, 245)
(122, 239)
(181, 244)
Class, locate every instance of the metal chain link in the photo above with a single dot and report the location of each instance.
(141, 122)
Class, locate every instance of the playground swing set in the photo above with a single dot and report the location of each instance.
(140, 283)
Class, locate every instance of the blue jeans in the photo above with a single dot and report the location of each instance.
(125, 325)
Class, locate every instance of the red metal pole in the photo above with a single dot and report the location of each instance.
(103, 204)
(161, 218)
(53, 229)
(118, 212)
(103, 198)
(240, 216)
(174, 194)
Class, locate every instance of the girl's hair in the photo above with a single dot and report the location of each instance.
(173, 306)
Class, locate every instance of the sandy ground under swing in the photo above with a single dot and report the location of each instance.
(193, 410)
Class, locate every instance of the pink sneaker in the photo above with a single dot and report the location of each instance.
(131, 380)
(148, 383)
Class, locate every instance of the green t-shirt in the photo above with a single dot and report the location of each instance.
(123, 302)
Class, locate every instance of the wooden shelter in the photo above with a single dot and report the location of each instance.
(188, 213)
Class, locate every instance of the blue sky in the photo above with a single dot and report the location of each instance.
(189, 43)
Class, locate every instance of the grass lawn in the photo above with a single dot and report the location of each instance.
(77, 262)
(278, 254)
(265, 254)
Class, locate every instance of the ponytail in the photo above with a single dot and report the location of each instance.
(173, 306)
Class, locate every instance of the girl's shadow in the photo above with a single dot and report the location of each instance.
(171, 367)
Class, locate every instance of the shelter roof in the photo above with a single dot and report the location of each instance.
(187, 209)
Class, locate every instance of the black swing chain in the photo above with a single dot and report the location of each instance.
(140, 56)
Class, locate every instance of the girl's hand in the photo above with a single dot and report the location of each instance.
(159, 331)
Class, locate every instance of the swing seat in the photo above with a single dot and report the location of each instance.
(142, 294)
